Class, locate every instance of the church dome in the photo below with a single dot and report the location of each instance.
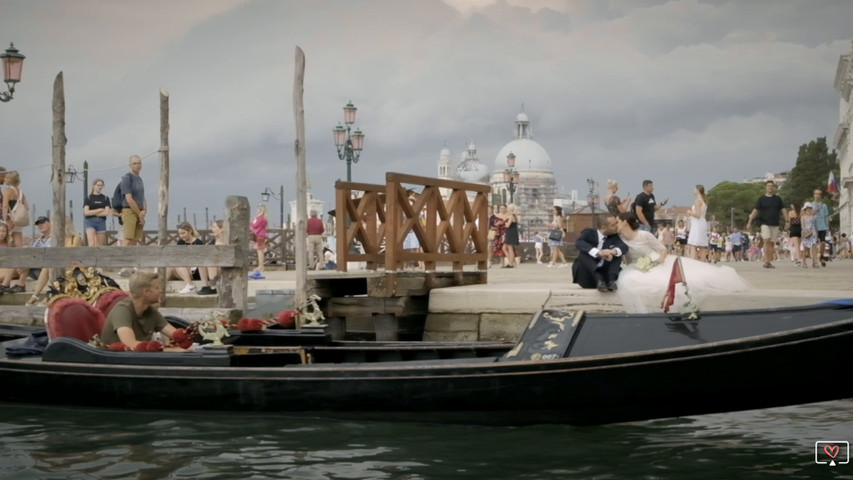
(522, 117)
(529, 156)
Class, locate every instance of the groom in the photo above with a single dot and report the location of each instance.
(599, 256)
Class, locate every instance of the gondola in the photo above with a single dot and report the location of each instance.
(568, 367)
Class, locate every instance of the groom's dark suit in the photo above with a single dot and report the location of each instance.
(589, 271)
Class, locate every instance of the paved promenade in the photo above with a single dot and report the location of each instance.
(528, 286)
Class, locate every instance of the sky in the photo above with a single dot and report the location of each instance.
(682, 92)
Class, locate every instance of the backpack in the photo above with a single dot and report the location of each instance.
(117, 199)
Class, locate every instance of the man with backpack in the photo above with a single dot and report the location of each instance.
(133, 205)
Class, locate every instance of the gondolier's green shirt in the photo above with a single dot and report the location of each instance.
(124, 315)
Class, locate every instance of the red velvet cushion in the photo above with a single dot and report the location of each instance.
(73, 317)
(107, 301)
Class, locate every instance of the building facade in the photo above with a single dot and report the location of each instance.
(844, 85)
(536, 190)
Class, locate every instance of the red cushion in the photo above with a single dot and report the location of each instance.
(107, 301)
(73, 317)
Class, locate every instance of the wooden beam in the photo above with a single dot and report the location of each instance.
(117, 257)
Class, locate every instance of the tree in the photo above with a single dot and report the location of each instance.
(814, 162)
(731, 200)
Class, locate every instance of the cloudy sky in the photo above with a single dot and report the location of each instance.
(682, 92)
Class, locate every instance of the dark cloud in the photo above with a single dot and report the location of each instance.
(683, 91)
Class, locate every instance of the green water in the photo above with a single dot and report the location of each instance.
(58, 443)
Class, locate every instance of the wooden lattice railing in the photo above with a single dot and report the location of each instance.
(380, 217)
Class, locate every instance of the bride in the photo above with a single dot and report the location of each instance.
(644, 280)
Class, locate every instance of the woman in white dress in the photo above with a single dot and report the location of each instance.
(698, 238)
(643, 281)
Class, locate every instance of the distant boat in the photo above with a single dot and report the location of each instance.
(568, 367)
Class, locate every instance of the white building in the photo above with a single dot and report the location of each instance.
(536, 191)
(844, 85)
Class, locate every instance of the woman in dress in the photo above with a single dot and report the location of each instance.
(258, 227)
(96, 208)
(556, 246)
(697, 240)
(614, 204)
(496, 234)
(510, 235)
(811, 244)
(795, 233)
(641, 290)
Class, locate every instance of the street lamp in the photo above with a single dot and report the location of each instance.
(511, 176)
(733, 218)
(349, 144)
(265, 196)
(592, 196)
(13, 63)
(71, 174)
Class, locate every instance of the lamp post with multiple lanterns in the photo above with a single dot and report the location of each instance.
(511, 176)
(592, 197)
(13, 64)
(349, 144)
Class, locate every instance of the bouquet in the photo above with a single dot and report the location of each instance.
(644, 263)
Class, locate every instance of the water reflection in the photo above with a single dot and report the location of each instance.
(41, 443)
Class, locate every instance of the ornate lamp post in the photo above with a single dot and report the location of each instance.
(511, 176)
(265, 196)
(592, 196)
(13, 64)
(349, 144)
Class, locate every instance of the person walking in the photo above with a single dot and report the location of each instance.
(96, 209)
(645, 207)
(795, 233)
(537, 246)
(555, 238)
(811, 241)
(768, 209)
(821, 214)
(315, 230)
(259, 231)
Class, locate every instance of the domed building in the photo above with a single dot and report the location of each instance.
(469, 169)
(536, 188)
(535, 185)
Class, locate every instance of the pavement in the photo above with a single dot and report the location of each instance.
(528, 286)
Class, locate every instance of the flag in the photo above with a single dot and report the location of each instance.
(676, 277)
(832, 184)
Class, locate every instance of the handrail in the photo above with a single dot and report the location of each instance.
(380, 217)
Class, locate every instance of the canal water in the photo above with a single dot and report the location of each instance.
(66, 443)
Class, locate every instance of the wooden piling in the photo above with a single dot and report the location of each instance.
(163, 192)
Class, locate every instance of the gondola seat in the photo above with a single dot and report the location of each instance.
(107, 301)
(73, 317)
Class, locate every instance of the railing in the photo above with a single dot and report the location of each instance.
(379, 217)
(280, 248)
(231, 258)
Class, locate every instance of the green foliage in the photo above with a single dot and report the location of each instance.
(726, 196)
(814, 162)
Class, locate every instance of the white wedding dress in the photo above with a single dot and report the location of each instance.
(642, 292)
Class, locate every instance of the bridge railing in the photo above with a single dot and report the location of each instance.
(380, 217)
